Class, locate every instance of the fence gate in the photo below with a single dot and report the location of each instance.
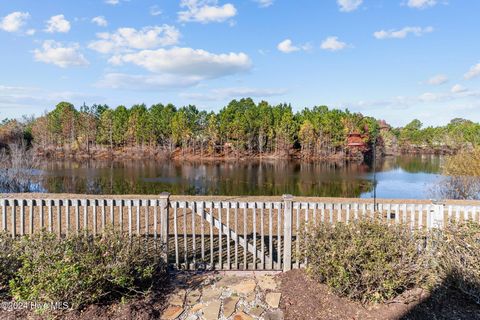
(227, 235)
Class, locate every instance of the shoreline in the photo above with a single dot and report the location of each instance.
(177, 155)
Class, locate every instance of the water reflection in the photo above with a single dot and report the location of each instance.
(395, 177)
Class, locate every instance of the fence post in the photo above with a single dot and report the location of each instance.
(164, 220)
(287, 231)
(438, 216)
(4, 215)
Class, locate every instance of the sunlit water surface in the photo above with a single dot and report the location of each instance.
(410, 177)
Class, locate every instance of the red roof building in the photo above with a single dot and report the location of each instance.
(356, 141)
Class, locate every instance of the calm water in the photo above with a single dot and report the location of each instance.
(397, 177)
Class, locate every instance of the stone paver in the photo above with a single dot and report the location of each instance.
(273, 299)
(197, 307)
(250, 298)
(229, 305)
(228, 297)
(212, 311)
(177, 298)
(228, 281)
(242, 316)
(210, 293)
(267, 283)
(172, 312)
(193, 297)
(196, 279)
(257, 311)
(245, 287)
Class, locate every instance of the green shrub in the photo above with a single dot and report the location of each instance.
(458, 257)
(82, 269)
(367, 261)
(9, 263)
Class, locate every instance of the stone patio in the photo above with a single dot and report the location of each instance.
(225, 296)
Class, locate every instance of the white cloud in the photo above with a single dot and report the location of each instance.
(100, 21)
(146, 82)
(187, 62)
(205, 11)
(14, 21)
(333, 44)
(30, 32)
(130, 38)
(235, 92)
(20, 95)
(57, 23)
(14, 92)
(429, 96)
(458, 89)
(431, 113)
(437, 79)
(398, 102)
(286, 46)
(473, 72)
(264, 3)
(421, 4)
(114, 2)
(349, 5)
(456, 93)
(401, 33)
(53, 52)
(431, 106)
(155, 10)
(15, 100)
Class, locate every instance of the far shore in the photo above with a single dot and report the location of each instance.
(150, 153)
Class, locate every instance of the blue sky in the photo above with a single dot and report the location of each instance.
(393, 59)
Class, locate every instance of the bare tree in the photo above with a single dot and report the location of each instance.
(458, 188)
(17, 169)
(462, 177)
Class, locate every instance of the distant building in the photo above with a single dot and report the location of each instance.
(356, 141)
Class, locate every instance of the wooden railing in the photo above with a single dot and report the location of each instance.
(226, 235)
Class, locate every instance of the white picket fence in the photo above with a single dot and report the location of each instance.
(224, 235)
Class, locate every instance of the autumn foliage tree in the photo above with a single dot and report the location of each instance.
(241, 128)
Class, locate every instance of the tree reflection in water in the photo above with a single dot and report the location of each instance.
(332, 179)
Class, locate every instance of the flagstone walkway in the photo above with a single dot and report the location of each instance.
(236, 296)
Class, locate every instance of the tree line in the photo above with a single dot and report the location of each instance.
(241, 128)
(456, 135)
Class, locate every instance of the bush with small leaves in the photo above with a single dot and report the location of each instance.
(9, 262)
(83, 269)
(367, 261)
(458, 257)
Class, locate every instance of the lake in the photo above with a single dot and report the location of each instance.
(397, 177)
